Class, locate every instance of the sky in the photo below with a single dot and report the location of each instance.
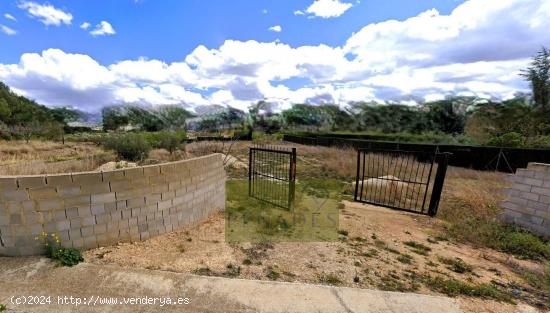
(91, 54)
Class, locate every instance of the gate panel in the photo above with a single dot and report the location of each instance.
(403, 180)
(272, 175)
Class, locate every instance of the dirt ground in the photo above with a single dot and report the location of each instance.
(372, 254)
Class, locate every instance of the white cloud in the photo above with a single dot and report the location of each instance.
(85, 25)
(264, 11)
(298, 12)
(8, 31)
(46, 13)
(276, 28)
(327, 8)
(10, 17)
(475, 50)
(103, 29)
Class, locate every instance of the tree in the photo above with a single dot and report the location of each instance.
(538, 75)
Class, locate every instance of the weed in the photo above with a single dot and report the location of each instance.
(329, 279)
(189, 239)
(392, 250)
(181, 248)
(418, 248)
(232, 271)
(374, 236)
(370, 253)
(343, 232)
(379, 243)
(55, 251)
(392, 282)
(3, 307)
(203, 271)
(453, 287)
(356, 279)
(456, 265)
(430, 263)
(405, 259)
(272, 274)
(247, 262)
(357, 263)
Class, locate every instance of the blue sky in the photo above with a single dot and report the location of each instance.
(171, 29)
(223, 52)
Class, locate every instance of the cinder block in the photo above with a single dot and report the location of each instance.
(113, 175)
(159, 188)
(134, 173)
(164, 205)
(16, 219)
(103, 218)
(8, 183)
(68, 191)
(157, 180)
(136, 202)
(103, 198)
(121, 204)
(152, 198)
(97, 209)
(110, 207)
(28, 205)
(168, 195)
(14, 195)
(120, 185)
(116, 216)
(530, 196)
(71, 213)
(63, 225)
(59, 215)
(77, 201)
(533, 182)
(545, 199)
(90, 242)
(87, 178)
(49, 204)
(100, 229)
(96, 188)
(126, 214)
(31, 182)
(538, 167)
(87, 231)
(88, 221)
(77, 243)
(63, 180)
(42, 193)
(151, 170)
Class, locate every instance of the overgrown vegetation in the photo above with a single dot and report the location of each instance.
(131, 146)
(55, 251)
(453, 288)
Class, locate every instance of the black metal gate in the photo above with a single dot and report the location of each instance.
(272, 175)
(403, 180)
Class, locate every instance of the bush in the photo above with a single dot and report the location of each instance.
(509, 140)
(131, 147)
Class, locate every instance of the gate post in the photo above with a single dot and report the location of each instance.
(442, 164)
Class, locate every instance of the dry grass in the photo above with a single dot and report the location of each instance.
(46, 157)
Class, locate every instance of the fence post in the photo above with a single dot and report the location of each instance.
(442, 164)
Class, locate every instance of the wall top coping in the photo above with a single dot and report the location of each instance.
(535, 166)
(113, 171)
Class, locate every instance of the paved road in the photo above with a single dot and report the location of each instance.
(39, 277)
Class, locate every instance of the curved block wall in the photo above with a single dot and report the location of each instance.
(93, 209)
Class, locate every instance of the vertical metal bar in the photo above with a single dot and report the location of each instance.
(357, 175)
(250, 172)
(438, 183)
(419, 185)
(428, 184)
(362, 178)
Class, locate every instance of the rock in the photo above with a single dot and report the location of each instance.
(111, 166)
(231, 161)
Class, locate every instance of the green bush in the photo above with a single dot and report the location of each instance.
(131, 147)
(3, 307)
(509, 140)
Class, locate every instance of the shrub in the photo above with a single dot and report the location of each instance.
(131, 147)
(453, 287)
(3, 307)
(54, 250)
(171, 141)
(510, 140)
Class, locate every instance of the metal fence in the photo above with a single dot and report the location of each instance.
(404, 180)
(272, 175)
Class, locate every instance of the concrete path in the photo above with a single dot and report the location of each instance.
(89, 284)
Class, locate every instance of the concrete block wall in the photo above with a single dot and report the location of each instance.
(88, 210)
(528, 199)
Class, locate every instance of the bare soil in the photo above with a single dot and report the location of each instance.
(373, 254)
